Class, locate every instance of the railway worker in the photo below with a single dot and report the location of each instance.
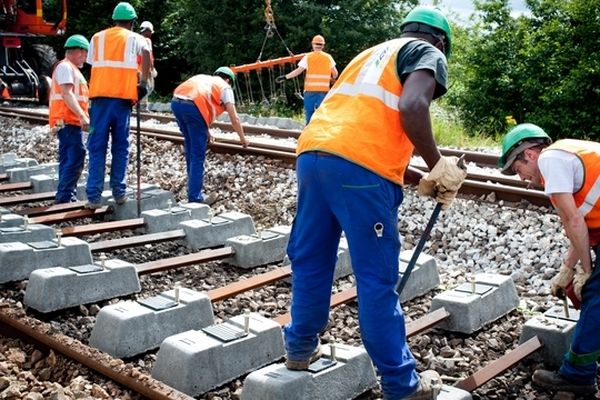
(569, 171)
(196, 103)
(68, 116)
(320, 71)
(114, 87)
(351, 166)
(147, 30)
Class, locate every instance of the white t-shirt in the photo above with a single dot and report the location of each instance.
(562, 171)
(227, 96)
(64, 74)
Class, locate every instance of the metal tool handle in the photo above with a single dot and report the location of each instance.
(419, 248)
(138, 159)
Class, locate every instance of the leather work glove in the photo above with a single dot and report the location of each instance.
(579, 281)
(561, 281)
(444, 180)
(280, 79)
(142, 90)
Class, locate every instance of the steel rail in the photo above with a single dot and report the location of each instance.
(182, 261)
(139, 383)
(102, 227)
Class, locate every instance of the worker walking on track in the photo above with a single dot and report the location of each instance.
(569, 171)
(351, 165)
(147, 30)
(68, 116)
(320, 71)
(114, 87)
(196, 103)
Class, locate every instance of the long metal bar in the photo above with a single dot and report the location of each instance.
(426, 322)
(500, 365)
(142, 384)
(70, 215)
(27, 198)
(13, 187)
(54, 208)
(245, 285)
(182, 261)
(139, 240)
(337, 299)
(92, 229)
(266, 64)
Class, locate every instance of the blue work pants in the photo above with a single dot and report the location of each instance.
(71, 157)
(580, 363)
(335, 195)
(108, 117)
(195, 141)
(312, 101)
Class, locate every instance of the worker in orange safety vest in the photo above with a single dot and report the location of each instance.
(196, 103)
(114, 88)
(68, 116)
(569, 171)
(351, 167)
(320, 71)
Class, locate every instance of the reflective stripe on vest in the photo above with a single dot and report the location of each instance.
(359, 120)
(205, 91)
(58, 109)
(587, 199)
(318, 72)
(114, 64)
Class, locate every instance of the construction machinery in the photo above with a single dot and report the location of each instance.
(26, 64)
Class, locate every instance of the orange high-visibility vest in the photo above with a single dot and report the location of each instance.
(359, 120)
(58, 109)
(587, 199)
(318, 72)
(205, 91)
(114, 54)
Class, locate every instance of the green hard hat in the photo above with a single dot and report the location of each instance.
(518, 139)
(226, 71)
(124, 12)
(433, 17)
(77, 42)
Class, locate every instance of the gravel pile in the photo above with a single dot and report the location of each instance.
(474, 236)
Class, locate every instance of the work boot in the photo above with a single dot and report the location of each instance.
(555, 381)
(302, 365)
(92, 206)
(121, 200)
(429, 386)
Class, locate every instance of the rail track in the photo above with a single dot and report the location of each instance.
(479, 183)
(243, 284)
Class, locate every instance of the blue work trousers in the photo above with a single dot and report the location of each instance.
(335, 195)
(195, 140)
(580, 363)
(71, 157)
(312, 101)
(108, 117)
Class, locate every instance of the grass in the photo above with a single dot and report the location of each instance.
(449, 132)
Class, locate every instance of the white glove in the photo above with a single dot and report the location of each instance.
(444, 180)
(561, 281)
(579, 280)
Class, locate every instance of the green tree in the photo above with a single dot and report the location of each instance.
(538, 68)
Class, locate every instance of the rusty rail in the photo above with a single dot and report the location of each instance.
(71, 215)
(13, 187)
(92, 229)
(182, 261)
(500, 365)
(142, 384)
(139, 240)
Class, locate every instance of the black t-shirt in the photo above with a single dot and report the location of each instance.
(420, 54)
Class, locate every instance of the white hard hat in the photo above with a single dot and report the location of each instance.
(147, 25)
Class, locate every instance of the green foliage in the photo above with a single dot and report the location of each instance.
(539, 68)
